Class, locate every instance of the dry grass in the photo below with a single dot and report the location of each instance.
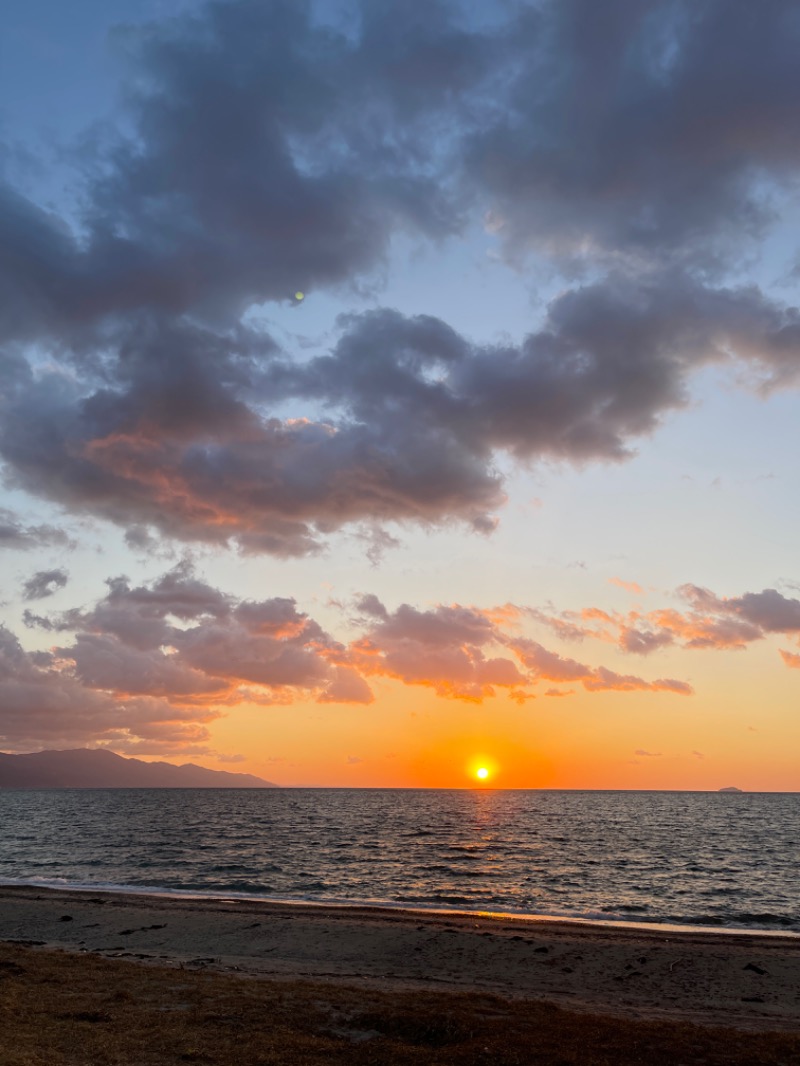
(58, 1009)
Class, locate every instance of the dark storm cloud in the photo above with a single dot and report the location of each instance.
(44, 583)
(267, 153)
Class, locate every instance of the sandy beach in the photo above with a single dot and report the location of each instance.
(747, 981)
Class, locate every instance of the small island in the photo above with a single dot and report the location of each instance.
(731, 788)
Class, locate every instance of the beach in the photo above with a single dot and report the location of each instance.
(745, 983)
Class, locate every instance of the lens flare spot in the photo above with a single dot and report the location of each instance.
(299, 296)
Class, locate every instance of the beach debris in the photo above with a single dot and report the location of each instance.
(756, 969)
(66, 918)
(141, 929)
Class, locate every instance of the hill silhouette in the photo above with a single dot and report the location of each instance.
(100, 768)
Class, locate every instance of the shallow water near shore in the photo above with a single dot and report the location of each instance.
(719, 860)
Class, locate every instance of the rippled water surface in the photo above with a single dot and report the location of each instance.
(697, 858)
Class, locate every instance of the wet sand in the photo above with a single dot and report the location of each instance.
(745, 981)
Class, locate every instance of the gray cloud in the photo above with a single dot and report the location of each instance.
(44, 583)
(643, 641)
(641, 131)
(150, 665)
(178, 438)
(15, 535)
(268, 153)
(103, 661)
(42, 703)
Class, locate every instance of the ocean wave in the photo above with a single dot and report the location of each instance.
(246, 891)
(653, 863)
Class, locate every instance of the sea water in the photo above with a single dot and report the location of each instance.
(711, 859)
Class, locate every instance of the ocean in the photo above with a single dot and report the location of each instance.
(706, 859)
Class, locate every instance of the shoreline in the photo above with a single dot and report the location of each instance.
(381, 906)
(748, 980)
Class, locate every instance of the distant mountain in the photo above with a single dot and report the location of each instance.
(730, 788)
(99, 768)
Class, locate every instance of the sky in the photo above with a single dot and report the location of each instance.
(392, 390)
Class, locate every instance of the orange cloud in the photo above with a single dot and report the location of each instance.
(448, 648)
(710, 622)
(629, 586)
(550, 666)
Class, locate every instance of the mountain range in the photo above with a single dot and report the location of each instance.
(100, 768)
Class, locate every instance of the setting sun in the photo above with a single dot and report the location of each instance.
(482, 773)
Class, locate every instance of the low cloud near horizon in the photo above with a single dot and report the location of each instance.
(149, 667)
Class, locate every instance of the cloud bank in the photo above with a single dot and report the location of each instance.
(148, 667)
(266, 152)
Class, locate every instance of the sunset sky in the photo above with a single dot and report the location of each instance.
(392, 389)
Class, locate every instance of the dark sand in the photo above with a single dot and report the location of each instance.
(747, 982)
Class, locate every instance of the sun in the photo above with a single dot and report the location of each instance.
(482, 773)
